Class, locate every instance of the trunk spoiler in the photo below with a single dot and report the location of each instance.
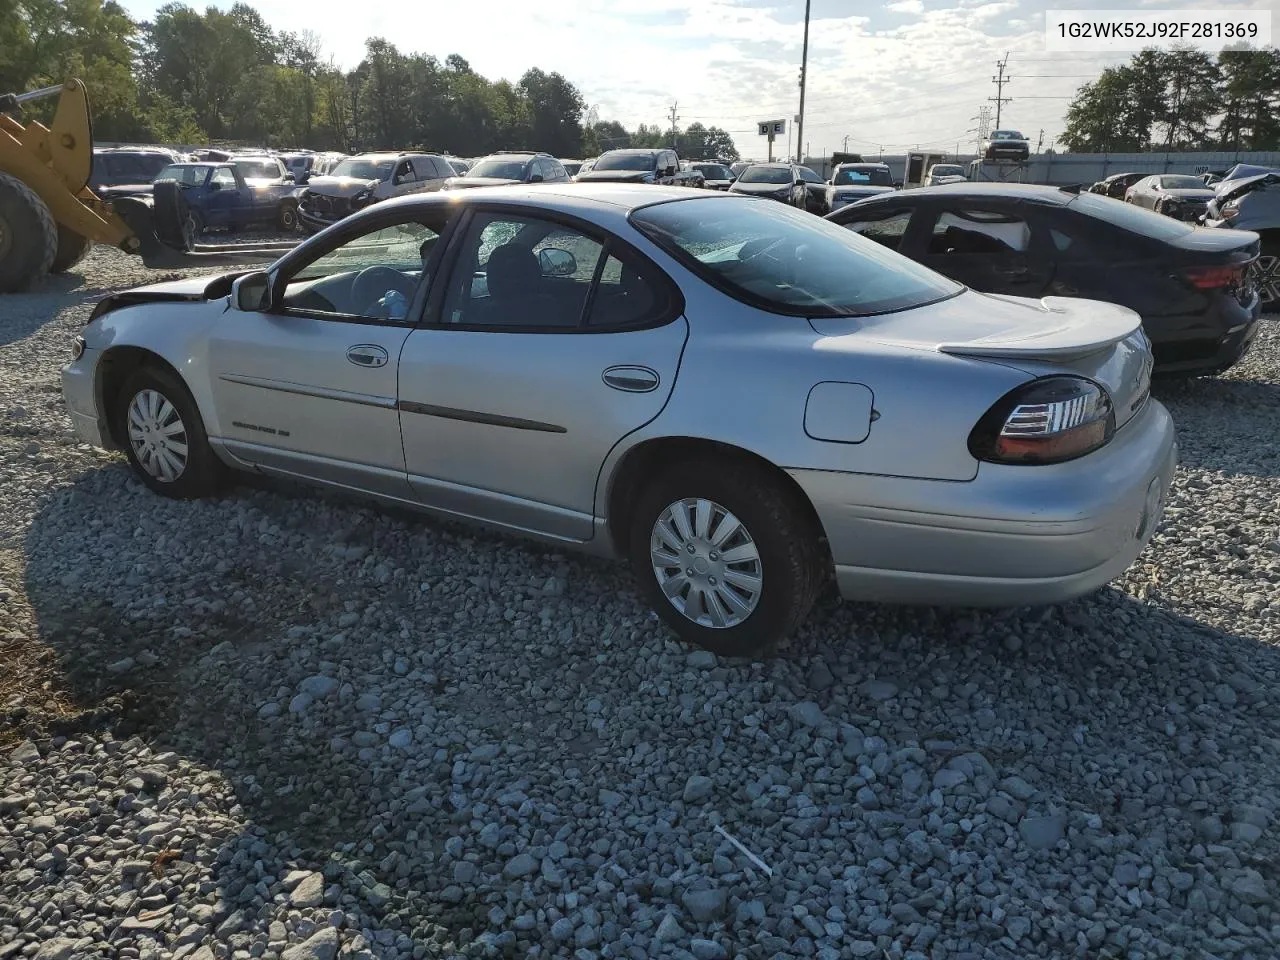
(1054, 341)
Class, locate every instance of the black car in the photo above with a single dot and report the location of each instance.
(815, 198)
(128, 170)
(510, 166)
(1191, 285)
(640, 166)
(1116, 185)
(776, 181)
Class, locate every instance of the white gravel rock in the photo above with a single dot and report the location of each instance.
(352, 732)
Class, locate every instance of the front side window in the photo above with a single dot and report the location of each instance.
(404, 172)
(372, 276)
(886, 231)
(961, 232)
(225, 179)
(808, 176)
(185, 174)
(786, 261)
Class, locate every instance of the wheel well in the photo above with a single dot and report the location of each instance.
(113, 370)
(1270, 237)
(647, 459)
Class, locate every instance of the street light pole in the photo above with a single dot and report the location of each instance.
(804, 71)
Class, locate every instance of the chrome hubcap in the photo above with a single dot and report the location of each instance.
(158, 436)
(706, 563)
(1266, 277)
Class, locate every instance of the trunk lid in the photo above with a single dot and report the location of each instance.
(1055, 335)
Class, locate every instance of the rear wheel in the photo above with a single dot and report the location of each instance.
(726, 554)
(1266, 274)
(28, 235)
(72, 248)
(159, 426)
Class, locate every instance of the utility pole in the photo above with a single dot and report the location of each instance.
(1000, 80)
(804, 69)
(674, 134)
(846, 143)
(983, 121)
(1041, 143)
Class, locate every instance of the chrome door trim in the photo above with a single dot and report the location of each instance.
(308, 390)
(475, 416)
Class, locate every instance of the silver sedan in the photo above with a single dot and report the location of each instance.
(742, 399)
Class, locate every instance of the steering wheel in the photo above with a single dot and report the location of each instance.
(372, 283)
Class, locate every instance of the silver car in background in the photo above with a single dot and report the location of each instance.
(742, 399)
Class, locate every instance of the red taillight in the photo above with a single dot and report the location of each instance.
(1213, 278)
(1045, 421)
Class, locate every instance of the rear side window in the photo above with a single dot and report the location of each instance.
(781, 259)
(959, 232)
(1130, 217)
(629, 294)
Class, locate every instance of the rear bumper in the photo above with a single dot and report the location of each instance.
(1013, 536)
(1209, 345)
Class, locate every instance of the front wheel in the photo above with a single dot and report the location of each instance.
(288, 217)
(727, 555)
(159, 426)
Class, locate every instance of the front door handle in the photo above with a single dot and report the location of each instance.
(631, 379)
(368, 355)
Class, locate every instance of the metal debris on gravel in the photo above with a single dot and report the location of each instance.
(282, 724)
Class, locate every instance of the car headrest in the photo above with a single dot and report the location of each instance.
(513, 271)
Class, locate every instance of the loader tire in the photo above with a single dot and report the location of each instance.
(72, 248)
(28, 236)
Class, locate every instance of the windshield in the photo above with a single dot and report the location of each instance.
(363, 169)
(765, 175)
(1128, 216)
(713, 171)
(626, 161)
(258, 169)
(946, 170)
(191, 176)
(501, 169)
(1182, 183)
(787, 261)
(872, 176)
(1007, 135)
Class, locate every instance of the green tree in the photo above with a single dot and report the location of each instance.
(555, 113)
(1251, 99)
(1192, 97)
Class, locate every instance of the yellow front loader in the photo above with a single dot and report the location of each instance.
(49, 218)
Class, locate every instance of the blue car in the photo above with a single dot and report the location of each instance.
(217, 196)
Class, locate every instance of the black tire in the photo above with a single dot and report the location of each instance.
(792, 558)
(72, 248)
(1269, 274)
(28, 236)
(203, 473)
(288, 217)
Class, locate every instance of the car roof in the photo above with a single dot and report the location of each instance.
(774, 163)
(617, 198)
(635, 150)
(862, 163)
(253, 157)
(1004, 191)
(511, 156)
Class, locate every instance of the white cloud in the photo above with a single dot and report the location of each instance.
(906, 6)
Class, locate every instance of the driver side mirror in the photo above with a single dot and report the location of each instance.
(251, 293)
(556, 262)
(215, 185)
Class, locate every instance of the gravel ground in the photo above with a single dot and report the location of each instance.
(283, 724)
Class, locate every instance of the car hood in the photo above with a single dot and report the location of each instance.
(615, 176)
(192, 290)
(1191, 193)
(1231, 188)
(466, 183)
(860, 189)
(741, 187)
(340, 186)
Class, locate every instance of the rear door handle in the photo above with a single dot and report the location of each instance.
(368, 355)
(631, 379)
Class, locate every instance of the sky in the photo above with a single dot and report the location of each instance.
(892, 76)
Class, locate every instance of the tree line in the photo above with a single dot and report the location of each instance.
(1180, 99)
(227, 77)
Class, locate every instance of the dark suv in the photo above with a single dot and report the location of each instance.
(640, 166)
(120, 170)
(510, 166)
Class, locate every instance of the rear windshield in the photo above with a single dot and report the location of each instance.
(1128, 216)
(870, 176)
(787, 261)
(765, 175)
(258, 169)
(626, 161)
(191, 176)
(713, 171)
